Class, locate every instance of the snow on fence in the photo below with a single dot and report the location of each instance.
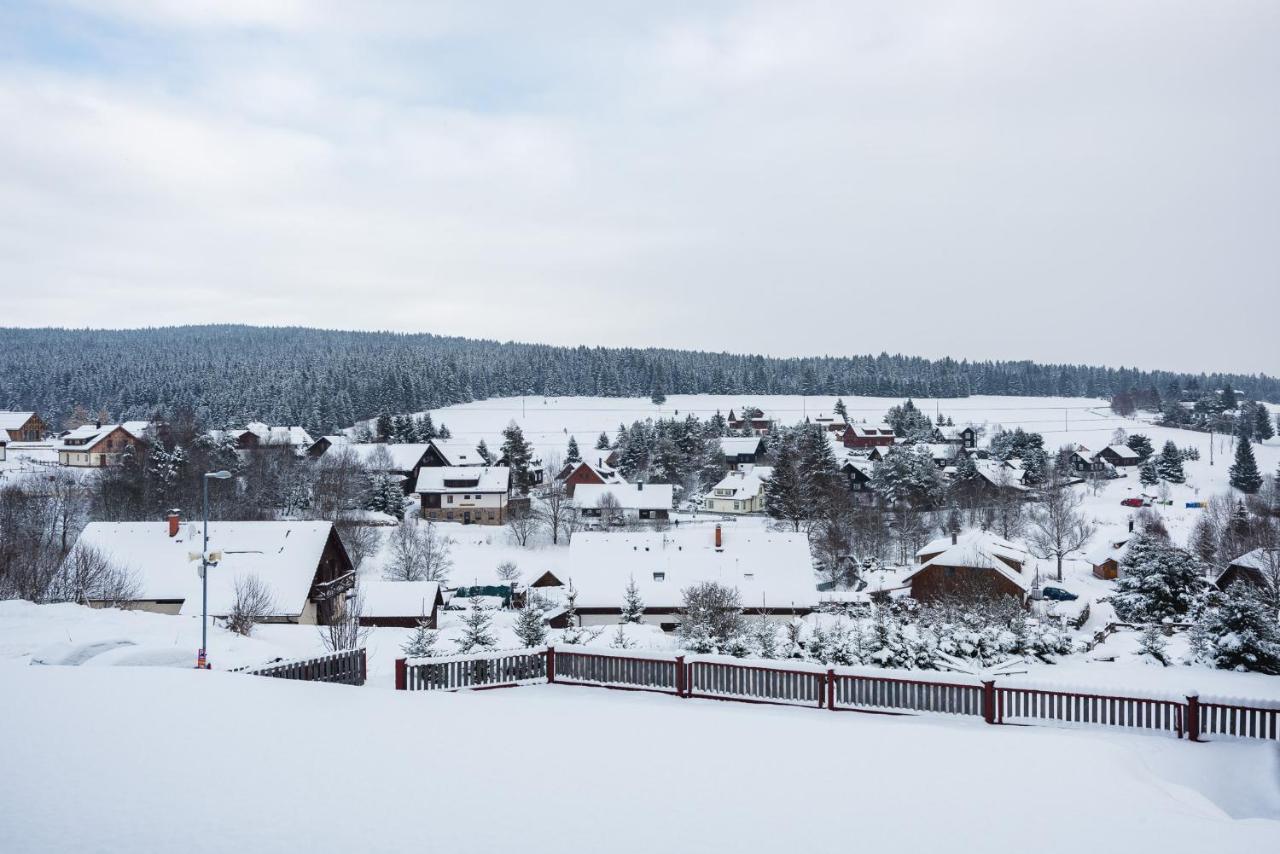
(854, 689)
(478, 670)
(348, 667)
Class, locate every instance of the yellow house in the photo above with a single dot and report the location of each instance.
(741, 491)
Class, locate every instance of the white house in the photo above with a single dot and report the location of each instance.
(740, 491)
(303, 564)
(97, 445)
(467, 494)
(772, 572)
(632, 500)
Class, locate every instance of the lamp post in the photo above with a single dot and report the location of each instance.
(202, 660)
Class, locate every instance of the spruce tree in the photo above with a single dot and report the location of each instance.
(443, 432)
(518, 454)
(476, 626)
(1262, 429)
(384, 428)
(1237, 631)
(1141, 445)
(1244, 471)
(1149, 472)
(784, 491)
(842, 410)
(602, 443)
(422, 643)
(1157, 581)
(572, 454)
(530, 627)
(632, 604)
(483, 451)
(1169, 463)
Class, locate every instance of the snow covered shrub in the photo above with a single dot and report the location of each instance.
(477, 635)
(1158, 581)
(422, 643)
(530, 628)
(1152, 643)
(252, 604)
(711, 618)
(1236, 630)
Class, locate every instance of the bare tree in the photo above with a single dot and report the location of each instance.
(360, 540)
(253, 604)
(558, 512)
(523, 523)
(340, 481)
(1058, 527)
(611, 514)
(419, 552)
(88, 576)
(508, 571)
(343, 631)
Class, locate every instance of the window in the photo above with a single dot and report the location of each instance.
(748, 576)
(448, 499)
(659, 576)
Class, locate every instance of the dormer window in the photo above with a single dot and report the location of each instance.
(659, 576)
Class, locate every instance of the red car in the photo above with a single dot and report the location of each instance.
(1133, 502)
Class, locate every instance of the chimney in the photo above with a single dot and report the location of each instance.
(719, 538)
(174, 519)
(1130, 524)
(640, 486)
(953, 538)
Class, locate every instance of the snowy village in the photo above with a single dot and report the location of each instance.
(746, 427)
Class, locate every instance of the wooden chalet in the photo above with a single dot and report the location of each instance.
(1119, 456)
(974, 564)
(22, 426)
(1260, 567)
(592, 468)
(1106, 557)
(742, 450)
(99, 445)
(752, 419)
(867, 436)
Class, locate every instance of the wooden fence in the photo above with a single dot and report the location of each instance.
(349, 667)
(843, 690)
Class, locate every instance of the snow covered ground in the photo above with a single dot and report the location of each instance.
(156, 759)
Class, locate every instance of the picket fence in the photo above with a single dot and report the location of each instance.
(348, 667)
(844, 689)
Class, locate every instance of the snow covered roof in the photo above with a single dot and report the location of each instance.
(284, 556)
(744, 484)
(458, 453)
(597, 459)
(4, 436)
(1003, 475)
(941, 450)
(631, 496)
(267, 434)
(1260, 558)
(769, 567)
(1112, 547)
(978, 550)
(869, 430)
(732, 446)
(403, 457)
(445, 479)
(87, 435)
(1123, 451)
(604, 472)
(10, 420)
(398, 598)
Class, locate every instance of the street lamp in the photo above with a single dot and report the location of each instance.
(202, 660)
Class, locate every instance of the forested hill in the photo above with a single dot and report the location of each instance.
(325, 379)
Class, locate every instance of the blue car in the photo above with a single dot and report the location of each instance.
(1057, 594)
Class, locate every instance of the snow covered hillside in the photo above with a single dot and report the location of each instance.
(197, 761)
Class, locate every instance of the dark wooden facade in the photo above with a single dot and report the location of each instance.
(32, 429)
(936, 582)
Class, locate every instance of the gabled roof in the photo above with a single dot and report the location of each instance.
(870, 430)
(732, 446)
(95, 433)
(631, 496)
(1261, 559)
(284, 556)
(398, 598)
(1123, 451)
(978, 550)
(769, 567)
(746, 484)
(10, 420)
(403, 457)
(478, 479)
(458, 453)
(267, 434)
(1112, 547)
(606, 473)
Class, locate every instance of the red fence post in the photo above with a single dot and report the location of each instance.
(831, 688)
(680, 685)
(402, 675)
(989, 701)
(1193, 717)
(551, 664)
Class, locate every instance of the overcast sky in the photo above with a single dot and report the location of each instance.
(1076, 181)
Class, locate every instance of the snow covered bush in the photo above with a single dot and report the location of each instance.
(422, 643)
(476, 635)
(530, 627)
(710, 618)
(252, 604)
(1236, 630)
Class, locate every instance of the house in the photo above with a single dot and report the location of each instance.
(867, 435)
(586, 472)
(1119, 455)
(1260, 567)
(943, 454)
(303, 565)
(451, 452)
(400, 604)
(977, 563)
(324, 443)
(752, 419)
(740, 491)
(772, 572)
(1106, 557)
(963, 437)
(1001, 476)
(1082, 462)
(467, 494)
(857, 472)
(256, 435)
(97, 445)
(403, 461)
(633, 500)
(22, 426)
(537, 473)
(742, 450)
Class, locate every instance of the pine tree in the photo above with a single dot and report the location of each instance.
(530, 627)
(518, 454)
(385, 428)
(422, 643)
(1169, 464)
(1237, 631)
(572, 633)
(784, 491)
(620, 639)
(1228, 397)
(1204, 541)
(443, 432)
(1157, 581)
(476, 627)
(1149, 472)
(482, 450)
(1152, 643)
(1262, 429)
(842, 410)
(572, 454)
(602, 443)
(1244, 471)
(632, 604)
(1141, 445)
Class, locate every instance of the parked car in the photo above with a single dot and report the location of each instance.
(1057, 594)
(1132, 502)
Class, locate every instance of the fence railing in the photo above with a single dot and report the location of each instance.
(843, 689)
(348, 667)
